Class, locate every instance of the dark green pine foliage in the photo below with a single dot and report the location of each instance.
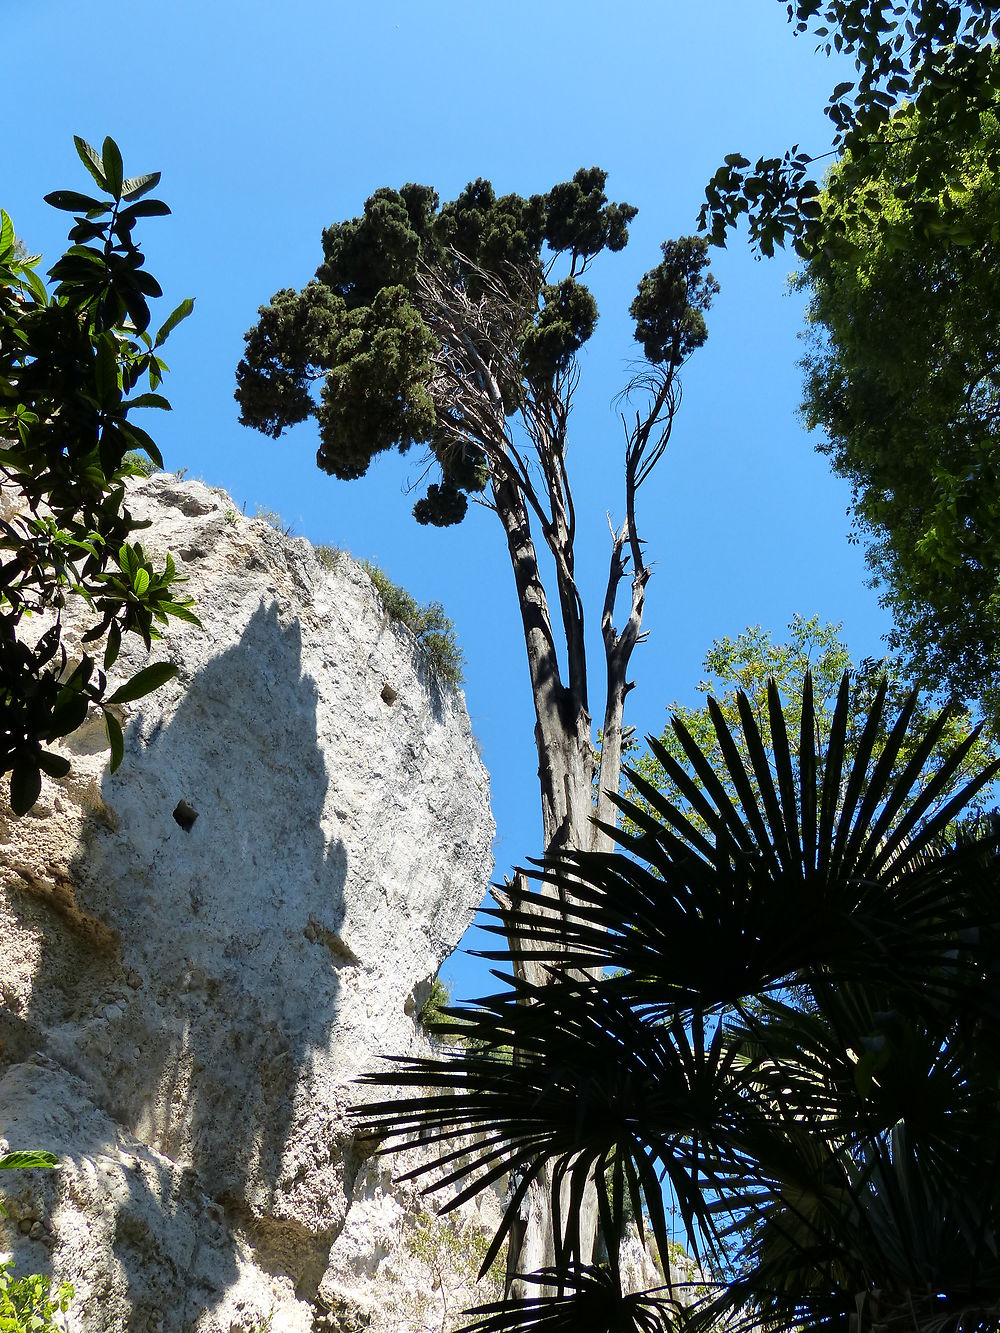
(364, 332)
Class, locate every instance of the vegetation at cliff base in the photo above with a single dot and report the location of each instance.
(32, 1304)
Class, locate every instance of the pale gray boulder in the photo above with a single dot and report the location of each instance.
(200, 953)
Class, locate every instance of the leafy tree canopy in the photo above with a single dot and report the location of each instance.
(934, 54)
(903, 377)
(69, 365)
(739, 678)
(370, 331)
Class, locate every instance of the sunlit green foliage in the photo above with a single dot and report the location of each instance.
(744, 666)
(937, 55)
(431, 1012)
(22, 1160)
(32, 1304)
(433, 627)
(903, 379)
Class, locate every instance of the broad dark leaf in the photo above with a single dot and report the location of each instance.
(91, 160)
(72, 202)
(25, 784)
(143, 682)
(116, 739)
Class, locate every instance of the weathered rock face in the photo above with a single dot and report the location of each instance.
(184, 1005)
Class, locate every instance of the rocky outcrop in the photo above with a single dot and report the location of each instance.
(200, 953)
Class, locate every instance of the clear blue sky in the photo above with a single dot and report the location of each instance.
(269, 122)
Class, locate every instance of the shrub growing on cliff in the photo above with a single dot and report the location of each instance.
(432, 1011)
(433, 628)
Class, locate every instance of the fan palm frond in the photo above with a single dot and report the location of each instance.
(790, 1022)
(586, 1297)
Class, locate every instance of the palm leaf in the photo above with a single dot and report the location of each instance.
(789, 1021)
(587, 1297)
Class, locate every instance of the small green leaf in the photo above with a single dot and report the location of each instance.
(114, 171)
(172, 320)
(116, 740)
(143, 683)
(141, 581)
(6, 234)
(180, 611)
(25, 784)
(134, 187)
(150, 400)
(16, 1161)
(91, 160)
(37, 286)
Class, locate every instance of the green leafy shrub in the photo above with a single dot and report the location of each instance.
(453, 1253)
(328, 555)
(431, 1011)
(31, 1304)
(138, 464)
(274, 520)
(26, 1303)
(434, 629)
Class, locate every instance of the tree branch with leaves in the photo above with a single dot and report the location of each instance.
(935, 55)
(70, 363)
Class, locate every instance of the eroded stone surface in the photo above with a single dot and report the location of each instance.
(184, 1003)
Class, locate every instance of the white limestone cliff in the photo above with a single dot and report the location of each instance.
(184, 1005)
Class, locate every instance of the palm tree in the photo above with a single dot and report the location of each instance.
(777, 1003)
